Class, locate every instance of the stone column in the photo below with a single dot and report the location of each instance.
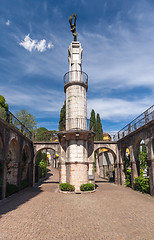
(151, 175)
(111, 172)
(97, 163)
(62, 158)
(116, 172)
(150, 153)
(30, 174)
(134, 172)
(4, 179)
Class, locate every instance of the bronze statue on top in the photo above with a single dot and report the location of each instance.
(73, 26)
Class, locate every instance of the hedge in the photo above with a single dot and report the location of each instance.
(66, 187)
(87, 187)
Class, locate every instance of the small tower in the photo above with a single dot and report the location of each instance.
(77, 158)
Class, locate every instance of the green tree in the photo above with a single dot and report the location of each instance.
(62, 121)
(46, 135)
(27, 119)
(92, 124)
(3, 108)
(41, 156)
(99, 130)
(41, 134)
(143, 157)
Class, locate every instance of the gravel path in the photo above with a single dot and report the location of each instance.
(112, 212)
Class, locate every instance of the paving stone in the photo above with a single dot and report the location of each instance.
(111, 213)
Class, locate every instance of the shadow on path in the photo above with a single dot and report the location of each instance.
(15, 200)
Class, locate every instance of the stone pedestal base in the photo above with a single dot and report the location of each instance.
(77, 174)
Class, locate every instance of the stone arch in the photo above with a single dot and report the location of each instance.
(43, 148)
(105, 162)
(13, 162)
(55, 162)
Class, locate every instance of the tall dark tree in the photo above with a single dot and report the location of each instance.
(99, 130)
(92, 124)
(62, 121)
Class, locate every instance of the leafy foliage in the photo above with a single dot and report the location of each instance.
(142, 184)
(24, 183)
(62, 121)
(126, 163)
(43, 168)
(3, 108)
(10, 189)
(66, 187)
(143, 158)
(87, 187)
(27, 119)
(128, 178)
(40, 156)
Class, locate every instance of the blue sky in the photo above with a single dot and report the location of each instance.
(117, 38)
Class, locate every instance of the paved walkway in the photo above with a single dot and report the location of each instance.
(41, 213)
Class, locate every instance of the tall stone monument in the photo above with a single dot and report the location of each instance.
(77, 157)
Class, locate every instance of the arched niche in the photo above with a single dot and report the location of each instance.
(13, 162)
(26, 159)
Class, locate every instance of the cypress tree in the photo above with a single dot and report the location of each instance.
(62, 120)
(92, 125)
(99, 130)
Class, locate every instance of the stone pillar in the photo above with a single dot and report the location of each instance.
(101, 165)
(30, 174)
(4, 179)
(110, 172)
(134, 172)
(116, 172)
(97, 163)
(62, 159)
(151, 175)
(19, 176)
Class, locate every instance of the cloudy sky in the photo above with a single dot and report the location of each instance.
(118, 55)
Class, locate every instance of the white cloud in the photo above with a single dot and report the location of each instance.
(32, 45)
(8, 23)
(117, 109)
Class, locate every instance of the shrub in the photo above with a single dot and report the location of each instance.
(128, 178)
(43, 168)
(10, 189)
(24, 183)
(87, 187)
(66, 187)
(142, 184)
